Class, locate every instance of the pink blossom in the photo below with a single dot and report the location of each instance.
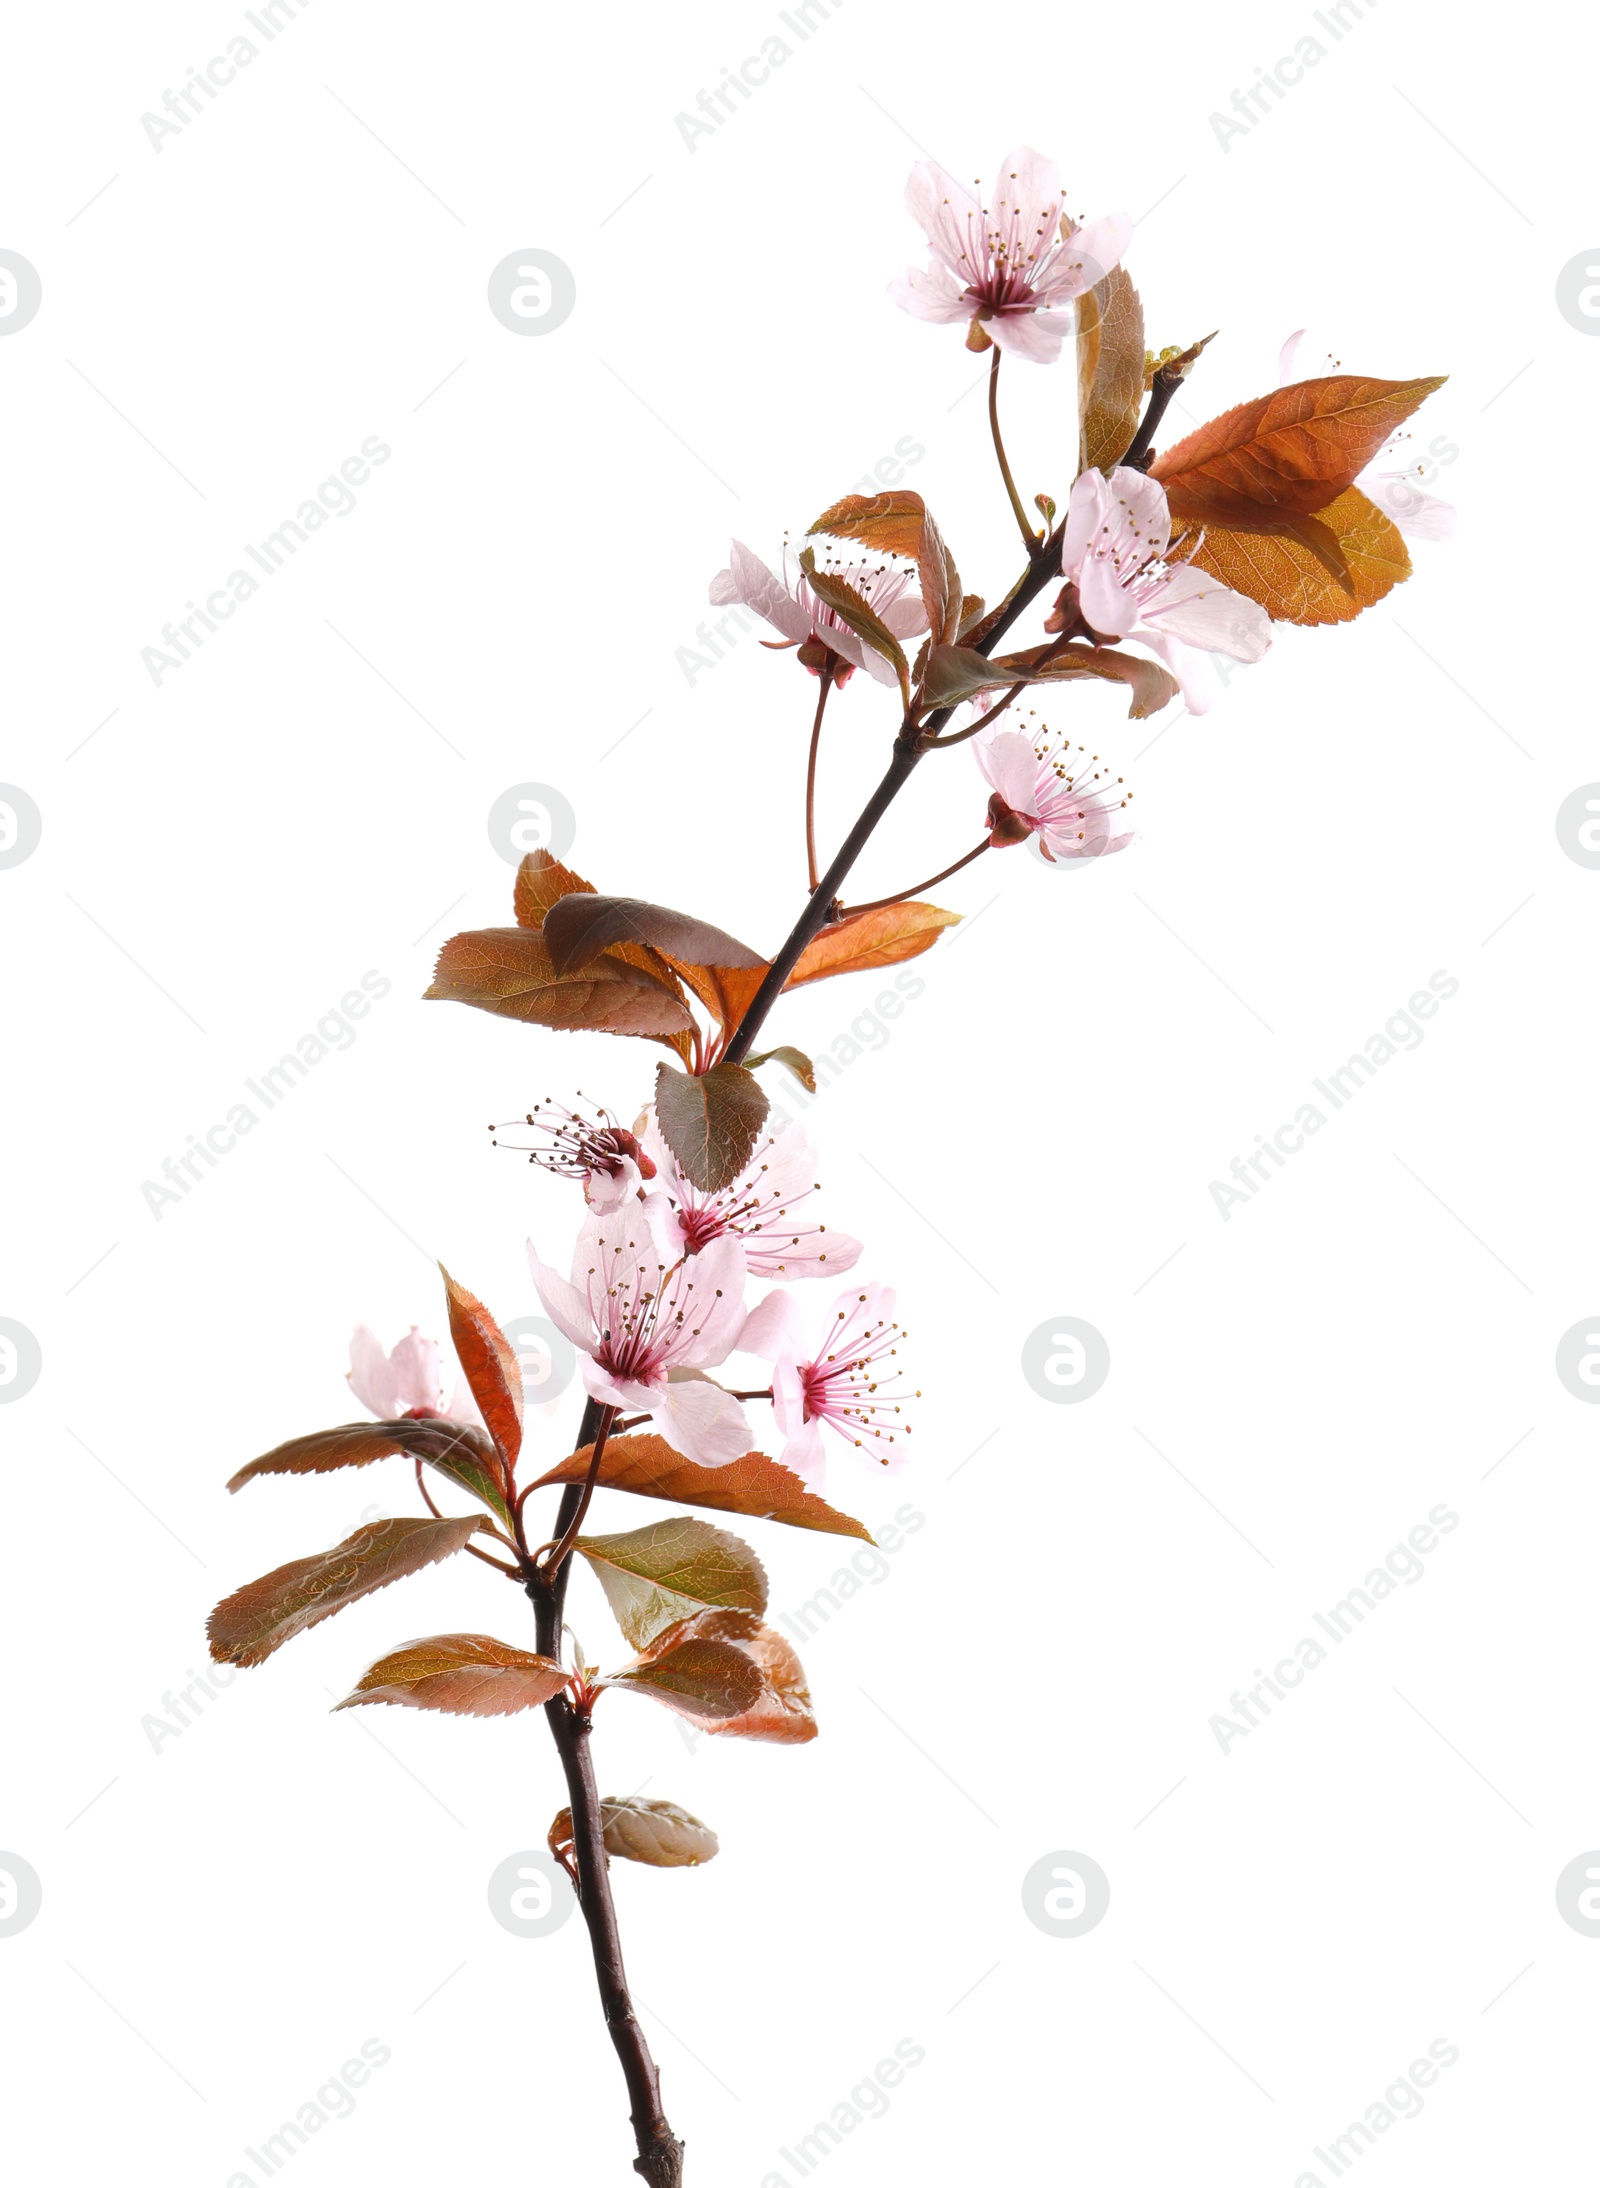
(1409, 509)
(1053, 790)
(1114, 550)
(846, 1384)
(405, 1382)
(766, 1208)
(650, 1318)
(597, 1150)
(790, 606)
(1007, 269)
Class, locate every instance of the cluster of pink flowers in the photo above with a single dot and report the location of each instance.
(658, 1297)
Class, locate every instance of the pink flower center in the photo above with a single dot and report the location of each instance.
(642, 1325)
(849, 1387)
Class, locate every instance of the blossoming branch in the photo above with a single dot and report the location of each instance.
(698, 1239)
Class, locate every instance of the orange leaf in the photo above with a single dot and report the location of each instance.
(489, 1364)
(647, 1466)
(1292, 451)
(900, 524)
(508, 970)
(726, 991)
(1321, 569)
(541, 882)
(869, 940)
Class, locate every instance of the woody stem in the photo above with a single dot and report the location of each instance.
(660, 2158)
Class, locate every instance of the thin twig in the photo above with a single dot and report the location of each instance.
(960, 736)
(1030, 537)
(826, 681)
(551, 1562)
(917, 888)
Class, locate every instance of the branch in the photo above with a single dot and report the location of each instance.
(660, 2159)
(1166, 383)
(909, 746)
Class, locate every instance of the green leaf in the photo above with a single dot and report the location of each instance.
(664, 1573)
(658, 1833)
(793, 1059)
(464, 1674)
(954, 673)
(710, 1120)
(262, 1615)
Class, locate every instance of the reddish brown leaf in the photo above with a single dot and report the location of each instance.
(508, 970)
(710, 1121)
(457, 1449)
(493, 1372)
(1150, 684)
(465, 1674)
(870, 940)
(262, 1615)
(1288, 453)
(647, 1466)
(702, 1680)
(784, 1711)
(1322, 569)
(582, 925)
(688, 1668)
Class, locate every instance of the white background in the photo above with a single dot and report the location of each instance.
(228, 1918)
